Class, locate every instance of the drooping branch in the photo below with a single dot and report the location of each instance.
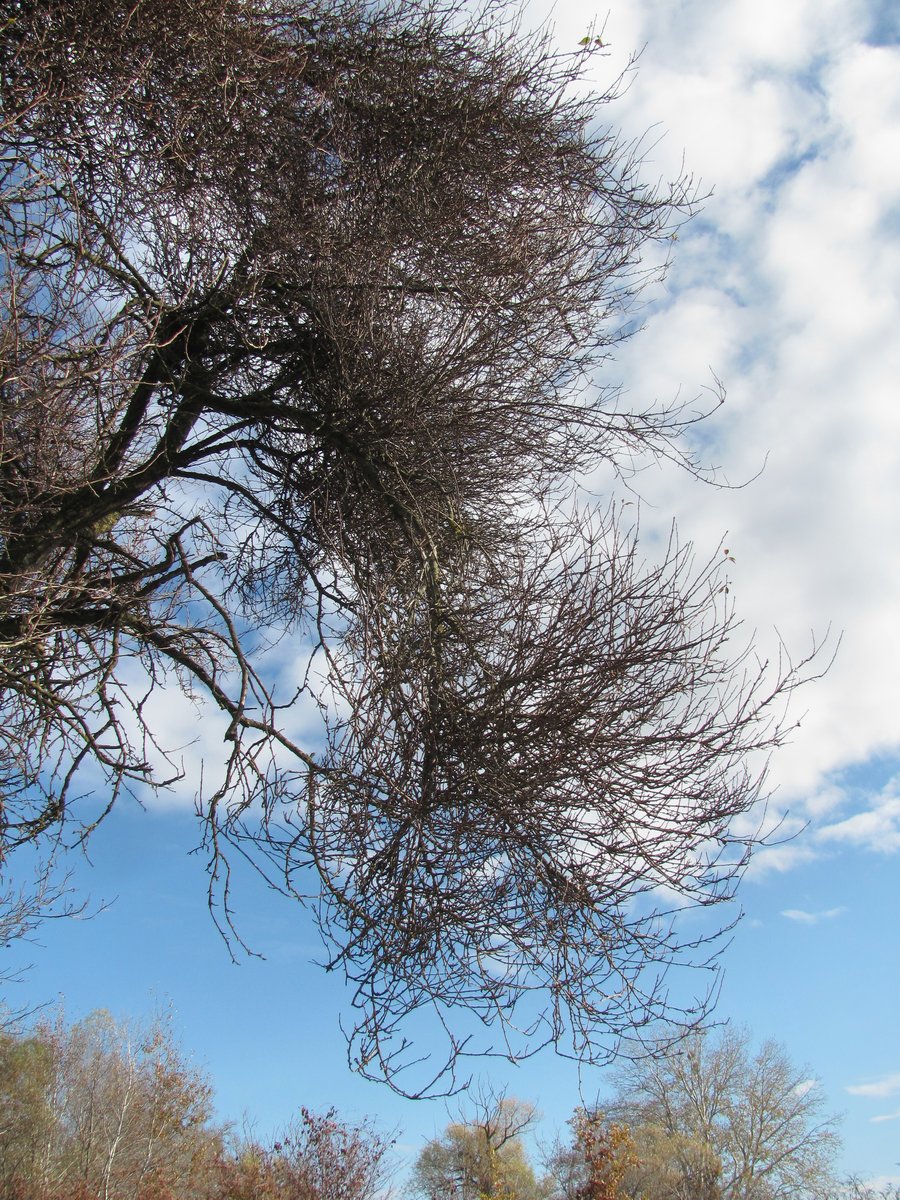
(303, 315)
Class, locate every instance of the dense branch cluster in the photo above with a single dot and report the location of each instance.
(302, 305)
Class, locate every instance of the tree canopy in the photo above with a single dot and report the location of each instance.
(597, 1162)
(107, 1110)
(304, 307)
(104, 1109)
(712, 1119)
(101, 1109)
(481, 1156)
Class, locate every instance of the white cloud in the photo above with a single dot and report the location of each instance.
(812, 918)
(787, 288)
(888, 1086)
(778, 860)
(824, 800)
(875, 828)
(894, 1116)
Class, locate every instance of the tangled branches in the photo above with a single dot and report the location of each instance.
(301, 306)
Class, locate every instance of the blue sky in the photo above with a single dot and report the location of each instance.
(788, 289)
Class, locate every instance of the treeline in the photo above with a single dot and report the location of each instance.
(106, 1110)
(103, 1110)
(708, 1118)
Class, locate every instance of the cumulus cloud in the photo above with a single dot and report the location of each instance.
(889, 1085)
(875, 828)
(812, 918)
(778, 860)
(785, 287)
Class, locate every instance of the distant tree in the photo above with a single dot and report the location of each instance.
(855, 1188)
(593, 1166)
(302, 307)
(674, 1166)
(482, 1157)
(712, 1120)
(318, 1157)
(26, 1072)
(102, 1111)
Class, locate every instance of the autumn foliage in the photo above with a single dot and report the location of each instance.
(608, 1152)
(103, 1110)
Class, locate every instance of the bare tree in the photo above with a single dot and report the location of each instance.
(855, 1188)
(302, 310)
(712, 1121)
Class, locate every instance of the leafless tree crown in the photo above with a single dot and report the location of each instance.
(302, 310)
(714, 1119)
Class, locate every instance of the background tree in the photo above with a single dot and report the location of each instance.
(302, 312)
(26, 1071)
(857, 1189)
(711, 1120)
(594, 1165)
(101, 1111)
(481, 1157)
(318, 1157)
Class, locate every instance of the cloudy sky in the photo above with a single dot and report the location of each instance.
(787, 288)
